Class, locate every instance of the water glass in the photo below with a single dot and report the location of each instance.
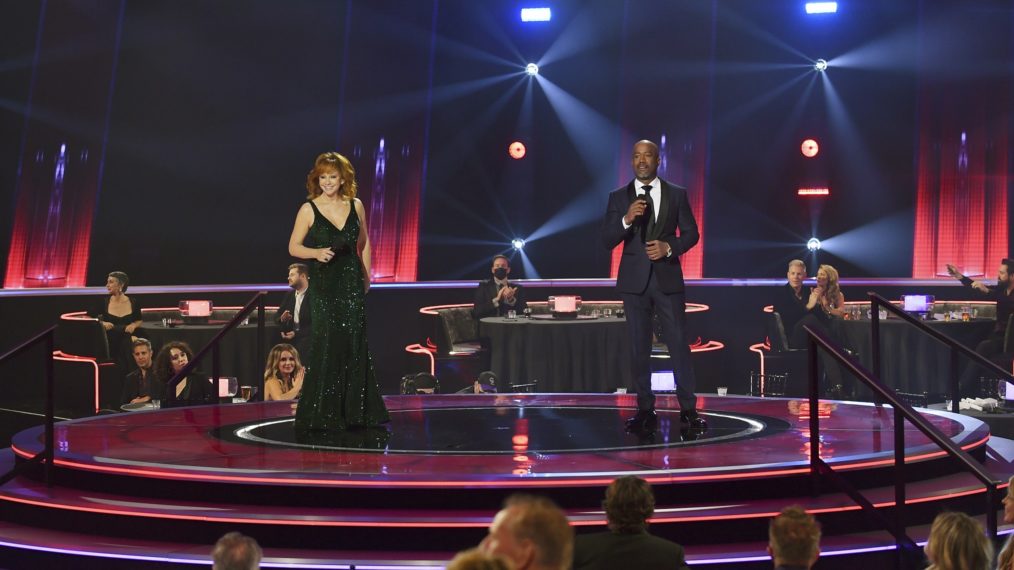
(156, 404)
(595, 313)
(511, 315)
(607, 312)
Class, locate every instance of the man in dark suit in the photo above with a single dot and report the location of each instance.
(140, 386)
(644, 215)
(790, 303)
(495, 296)
(629, 504)
(293, 315)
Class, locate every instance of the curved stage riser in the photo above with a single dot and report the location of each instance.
(432, 480)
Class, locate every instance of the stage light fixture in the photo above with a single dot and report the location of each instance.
(814, 191)
(820, 65)
(821, 7)
(536, 14)
(517, 150)
(518, 243)
(809, 148)
(813, 244)
(532, 69)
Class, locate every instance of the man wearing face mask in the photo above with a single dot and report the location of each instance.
(495, 296)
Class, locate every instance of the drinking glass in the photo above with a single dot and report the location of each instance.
(512, 314)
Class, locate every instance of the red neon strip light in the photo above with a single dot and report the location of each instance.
(60, 355)
(432, 309)
(419, 349)
(813, 192)
(476, 524)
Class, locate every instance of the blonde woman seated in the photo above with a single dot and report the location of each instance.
(283, 375)
(1006, 558)
(958, 542)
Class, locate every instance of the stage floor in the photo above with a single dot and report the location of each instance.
(515, 440)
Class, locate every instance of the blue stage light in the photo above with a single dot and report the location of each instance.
(821, 7)
(536, 14)
(518, 243)
(813, 244)
(532, 69)
(820, 65)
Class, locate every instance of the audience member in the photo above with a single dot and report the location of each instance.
(825, 308)
(790, 302)
(992, 347)
(475, 559)
(532, 533)
(140, 385)
(293, 315)
(958, 542)
(235, 551)
(628, 505)
(793, 539)
(495, 296)
(120, 316)
(283, 374)
(191, 390)
(1006, 559)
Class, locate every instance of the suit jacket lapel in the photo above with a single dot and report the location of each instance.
(663, 209)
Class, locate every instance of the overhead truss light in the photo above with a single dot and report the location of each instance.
(536, 14)
(821, 7)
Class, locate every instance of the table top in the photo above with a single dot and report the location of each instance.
(933, 323)
(536, 321)
(202, 326)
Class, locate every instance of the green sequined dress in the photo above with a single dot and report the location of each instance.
(340, 388)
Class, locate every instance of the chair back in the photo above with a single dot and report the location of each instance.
(83, 337)
(776, 333)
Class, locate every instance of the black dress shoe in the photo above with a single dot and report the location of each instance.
(691, 419)
(644, 420)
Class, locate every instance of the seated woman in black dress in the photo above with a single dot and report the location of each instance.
(194, 389)
(120, 316)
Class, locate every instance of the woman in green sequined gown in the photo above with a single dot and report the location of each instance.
(340, 387)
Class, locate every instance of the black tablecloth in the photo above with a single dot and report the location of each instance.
(560, 355)
(912, 360)
(237, 351)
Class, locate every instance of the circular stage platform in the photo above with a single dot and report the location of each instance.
(515, 440)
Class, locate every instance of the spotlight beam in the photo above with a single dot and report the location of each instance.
(583, 124)
(581, 210)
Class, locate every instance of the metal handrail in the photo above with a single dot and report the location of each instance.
(256, 302)
(902, 411)
(47, 338)
(876, 301)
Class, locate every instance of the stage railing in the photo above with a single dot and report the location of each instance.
(257, 302)
(46, 339)
(906, 547)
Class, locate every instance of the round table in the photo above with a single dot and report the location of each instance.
(237, 350)
(559, 355)
(913, 361)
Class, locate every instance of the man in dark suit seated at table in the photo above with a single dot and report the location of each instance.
(140, 386)
(992, 346)
(628, 505)
(495, 296)
(293, 315)
(790, 301)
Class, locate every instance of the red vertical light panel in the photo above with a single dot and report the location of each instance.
(60, 166)
(961, 200)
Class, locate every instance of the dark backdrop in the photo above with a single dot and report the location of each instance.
(220, 107)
